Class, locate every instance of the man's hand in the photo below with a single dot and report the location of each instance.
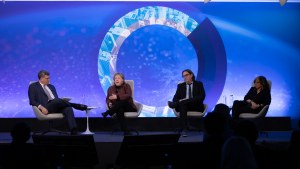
(113, 97)
(43, 110)
(110, 105)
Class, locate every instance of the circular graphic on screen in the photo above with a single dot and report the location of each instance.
(155, 62)
(152, 45)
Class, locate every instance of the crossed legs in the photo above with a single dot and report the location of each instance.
(119, 108)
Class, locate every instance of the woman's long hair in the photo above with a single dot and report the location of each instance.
(263, 81)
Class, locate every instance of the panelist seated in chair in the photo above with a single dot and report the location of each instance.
(189, 96)
(43, 95)
(254, 101)
(119, 100)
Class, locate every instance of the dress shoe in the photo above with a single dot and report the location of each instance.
(79, 106)
(172, 104)
(104, 115)
(184, 133)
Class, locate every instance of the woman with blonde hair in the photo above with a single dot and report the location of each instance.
(119, 100)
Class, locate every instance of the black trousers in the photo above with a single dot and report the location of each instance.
(58, 105)
(118, 108)
(187, 105)
(240, 106)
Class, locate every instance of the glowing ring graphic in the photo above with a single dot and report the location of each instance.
(203, 35)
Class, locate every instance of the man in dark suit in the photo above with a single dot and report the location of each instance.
(44, 96)
(189, 96)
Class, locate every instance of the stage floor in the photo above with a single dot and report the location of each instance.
(193, 136)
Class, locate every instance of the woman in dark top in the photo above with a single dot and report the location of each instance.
(256, 98)
(119, 100)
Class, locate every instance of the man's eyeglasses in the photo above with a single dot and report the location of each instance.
(185, 75)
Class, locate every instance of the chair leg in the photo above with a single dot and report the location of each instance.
(129, 129)
(178, 130)
(51, 129)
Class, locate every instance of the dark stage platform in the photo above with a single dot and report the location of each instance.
(108, 144)
(275, 133)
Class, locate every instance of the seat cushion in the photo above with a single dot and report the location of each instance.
(131, 114)
(249, 115)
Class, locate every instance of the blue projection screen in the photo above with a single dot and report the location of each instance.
(82, 44)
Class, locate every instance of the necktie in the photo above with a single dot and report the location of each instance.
(47, 93)
(190, 92)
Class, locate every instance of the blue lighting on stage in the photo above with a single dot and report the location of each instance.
(83, 44)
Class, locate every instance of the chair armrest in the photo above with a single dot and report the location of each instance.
(139, 107)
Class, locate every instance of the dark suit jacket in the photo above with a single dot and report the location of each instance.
(198, 92)
(37, 96)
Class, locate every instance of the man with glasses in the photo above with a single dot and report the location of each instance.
(189, 96)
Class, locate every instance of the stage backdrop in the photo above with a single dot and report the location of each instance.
(82, 44)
